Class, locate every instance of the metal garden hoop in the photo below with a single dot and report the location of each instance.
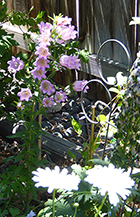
(96, 122)
(103, 84)
(98, 53)
(98, 81)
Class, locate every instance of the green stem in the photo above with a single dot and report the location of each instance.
(102, 203)
(75, 212)
(53, 197)
(29, 156)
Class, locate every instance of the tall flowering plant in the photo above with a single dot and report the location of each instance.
(31, 85)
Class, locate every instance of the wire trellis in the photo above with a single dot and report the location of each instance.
(104, 82)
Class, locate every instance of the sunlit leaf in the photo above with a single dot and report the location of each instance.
(84, 55)
(102, 118)
(76, 126)
(115, 90)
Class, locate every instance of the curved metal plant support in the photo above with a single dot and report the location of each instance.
(97, 122)
(98, 54)
(103, 82)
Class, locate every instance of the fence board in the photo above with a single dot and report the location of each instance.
(99, 20)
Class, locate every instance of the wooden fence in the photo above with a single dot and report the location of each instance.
(96, 21)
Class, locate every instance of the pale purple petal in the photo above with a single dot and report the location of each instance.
(60, 96)
(45, 38)
(47, 87)
(24, 94)
(48, 101)
(71, 62)
(41, 63)
(15, 64)
(38, 73)
(42, 51)
(31, 214)
(44, 26)
(68, 33)
(79, 85)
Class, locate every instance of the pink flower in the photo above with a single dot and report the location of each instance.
(68, 33)
(19, 105)
(71, 62)
(38, 73)
(58, 29)
(48, 101)
(42, 51)
(79, 85)
(63, 20)
(44, 26)
(41, 63)
(47, 87)
(45, 38)
(15, 64)
(24, 94)
(60, 96)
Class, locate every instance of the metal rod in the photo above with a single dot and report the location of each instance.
(91, 148)
(98, 53)
(39, 139)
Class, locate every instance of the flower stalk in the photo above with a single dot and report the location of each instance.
(102, 203)
(53, 200)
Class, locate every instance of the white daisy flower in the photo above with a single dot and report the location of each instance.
(112, 180)
(55, 179)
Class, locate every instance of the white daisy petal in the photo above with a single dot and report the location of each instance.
(109, 179)
(55, 179)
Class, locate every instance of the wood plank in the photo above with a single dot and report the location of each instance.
(55, 145)
(59, 147)
(107, 66)
(18, 35)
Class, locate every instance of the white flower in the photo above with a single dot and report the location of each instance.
(121, 79)
(31, 214)
(54, 179)
(112, 180)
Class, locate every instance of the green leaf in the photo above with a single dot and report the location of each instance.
(71, 154)
(31, 21)
(5, 212)
(10, 40)
(115, 90)
(101, 118)
(74, 44)
(20, 156)
(99, 162)
(80, 171)
(85, 187)
(2, 84)
(84, 55)
(40, 14)
(18, 134)
(8, 159)
(2, 49)
(44, 212)
(76, 126)
(14, 211)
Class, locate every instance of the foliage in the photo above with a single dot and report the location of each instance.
(24, 82)
(25, 94)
